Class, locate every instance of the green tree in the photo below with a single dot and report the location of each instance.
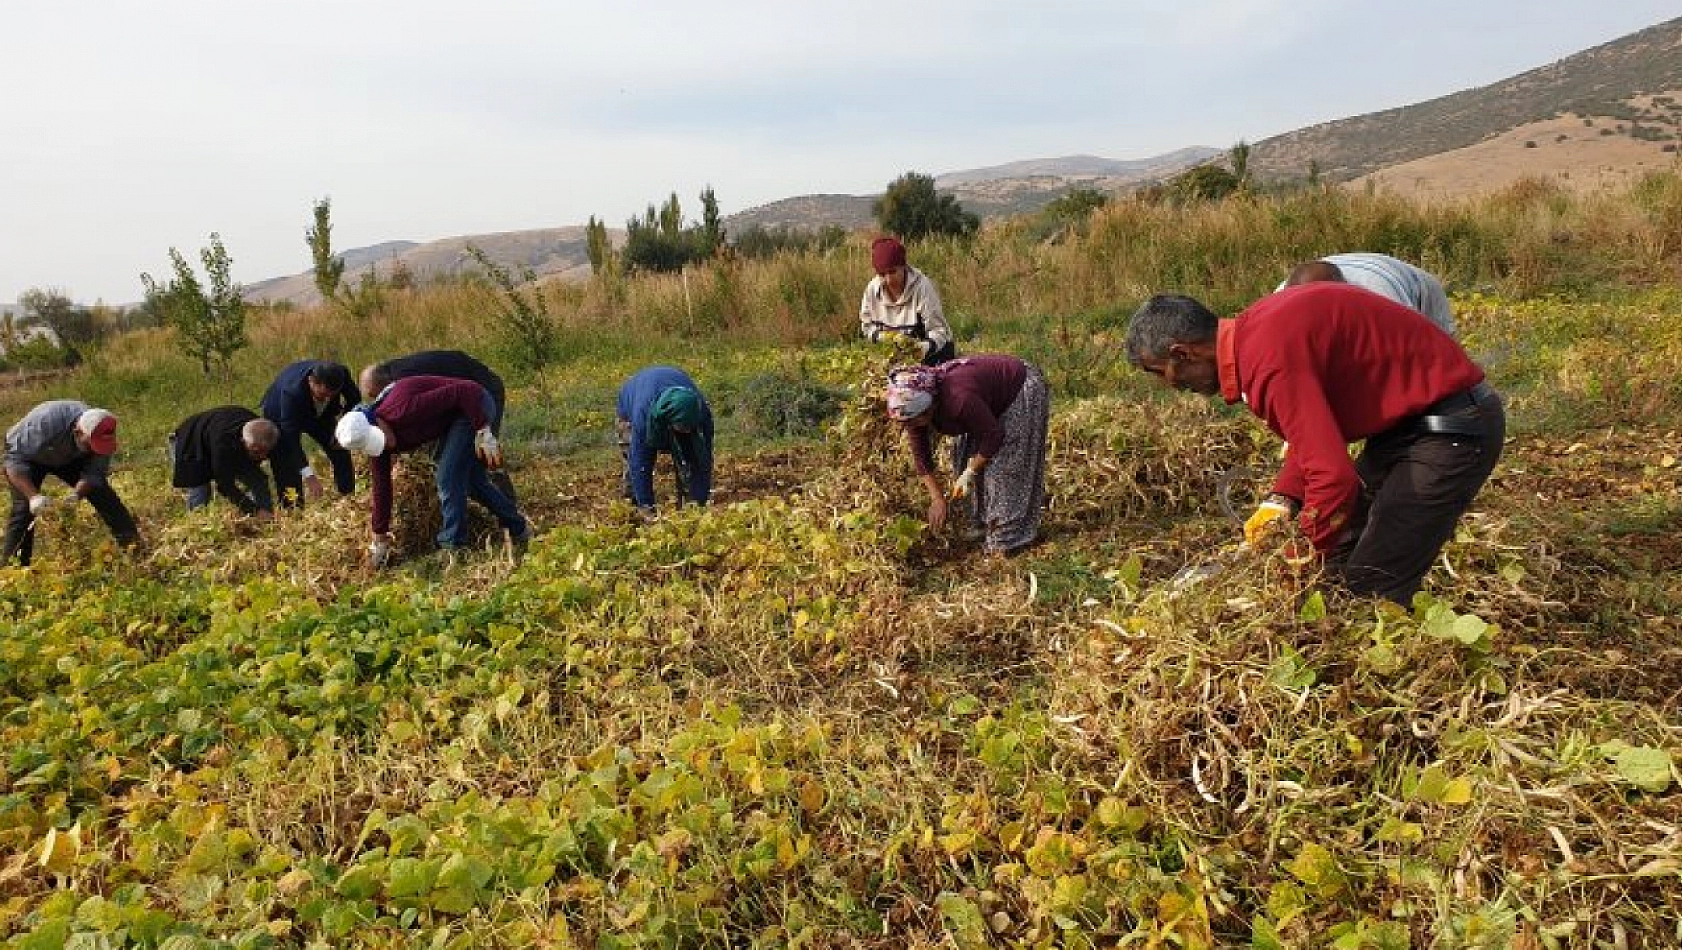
(210, 324)
(523, 313)
(912, 209)
(1239, 156)
(1208, 182)
(71, 326)
(654, 242)
(711, 235)
(671, 218)
(597, 245)
(329, 269)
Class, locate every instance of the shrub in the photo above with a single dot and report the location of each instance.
(787, 404)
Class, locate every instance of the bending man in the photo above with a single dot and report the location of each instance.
(1324, 365)
(414, 413)
(74, 442)
(225, 447)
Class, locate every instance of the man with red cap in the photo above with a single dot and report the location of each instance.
(75, 442)
(902, 300)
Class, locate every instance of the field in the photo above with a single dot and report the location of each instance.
(795, 719)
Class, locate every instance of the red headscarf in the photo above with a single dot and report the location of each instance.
(886, 253)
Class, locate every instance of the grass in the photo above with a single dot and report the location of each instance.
(794, 719)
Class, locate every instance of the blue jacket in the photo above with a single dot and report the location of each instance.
(289, 405)
(635, 398)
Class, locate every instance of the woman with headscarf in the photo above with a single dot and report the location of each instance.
(902, 300)
(662, 410)
(999, 408)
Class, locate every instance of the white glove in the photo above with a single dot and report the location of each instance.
(379, 552)
(488, 449)
(39, 503)
(964, 485)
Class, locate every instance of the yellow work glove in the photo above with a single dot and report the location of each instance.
(1266, 513)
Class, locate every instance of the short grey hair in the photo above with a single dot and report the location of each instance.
(1164, 320)
(260, 434)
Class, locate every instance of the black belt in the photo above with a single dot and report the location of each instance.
(1445, 416)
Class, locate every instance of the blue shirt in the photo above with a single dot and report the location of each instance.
(636, 398)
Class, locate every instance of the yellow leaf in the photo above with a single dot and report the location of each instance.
(812, 796)
(60, 849)
(1457, 792)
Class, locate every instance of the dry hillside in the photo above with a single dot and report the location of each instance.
(1621, 83)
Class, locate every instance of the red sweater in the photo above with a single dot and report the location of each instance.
(1327, 364)
(974, 393)
(420, 409)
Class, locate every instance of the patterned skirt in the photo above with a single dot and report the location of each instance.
(1010, 492)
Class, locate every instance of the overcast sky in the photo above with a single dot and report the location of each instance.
(132, 127)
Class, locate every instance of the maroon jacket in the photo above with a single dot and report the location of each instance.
(974, 392)
(1327, 364)
(419, 410)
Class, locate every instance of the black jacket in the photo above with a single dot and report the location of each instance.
(208, 448)
(453, 364)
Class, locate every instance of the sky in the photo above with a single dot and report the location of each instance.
(128, 127)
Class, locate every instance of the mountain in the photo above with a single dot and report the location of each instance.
(994, 191)
(1080, 167)
(547, 252)
(1629, 88)
(1598, 116)
(1015, 188)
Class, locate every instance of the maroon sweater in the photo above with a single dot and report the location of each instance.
(974, 392)
(1327, 364)
(420, 409)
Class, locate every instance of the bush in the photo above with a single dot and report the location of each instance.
(787, 404)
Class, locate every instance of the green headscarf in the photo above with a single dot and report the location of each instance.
(675, 406)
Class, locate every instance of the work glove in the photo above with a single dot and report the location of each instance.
(927, 348)
(39, 503)
(963, 486)
(488, 449)
(1261, 522)
(379, 552)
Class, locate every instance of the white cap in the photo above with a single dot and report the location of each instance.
(356, 434)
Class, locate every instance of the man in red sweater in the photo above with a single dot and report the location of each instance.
(1327, 364)
(414, 412)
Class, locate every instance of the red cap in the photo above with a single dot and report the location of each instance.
(99, 427)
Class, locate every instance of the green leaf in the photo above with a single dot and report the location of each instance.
(1644, 767)
(963, 920)
(357, 883)
(1397, 831)
(1313, 609)
(410, 879)
(1291, 672)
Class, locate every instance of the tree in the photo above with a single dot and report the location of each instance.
(1239, 156)
(597, 245)
(523, 313)
(211, 325)
(70, 326)
(671, 217)
(329, 270)
(1203, 183)
(912, 209)
(711, 236)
